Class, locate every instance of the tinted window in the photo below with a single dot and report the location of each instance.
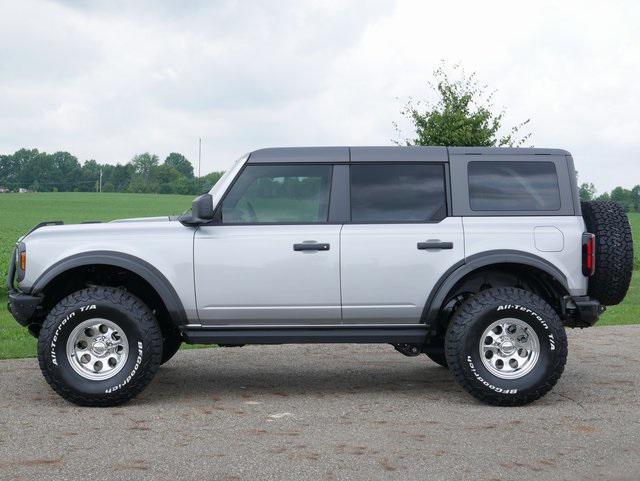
(279, 193)
(397, 193)
(513, 186)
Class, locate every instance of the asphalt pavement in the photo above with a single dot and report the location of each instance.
(330, 412)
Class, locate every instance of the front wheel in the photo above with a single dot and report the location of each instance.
(99, 347)
(506, 346)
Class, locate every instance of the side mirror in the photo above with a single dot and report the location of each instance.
(201, 211)
(202, 207)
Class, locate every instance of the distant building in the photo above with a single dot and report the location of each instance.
(4, 190)
(22, 190)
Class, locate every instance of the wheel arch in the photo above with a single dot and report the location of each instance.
(499, 260)
(118, 260)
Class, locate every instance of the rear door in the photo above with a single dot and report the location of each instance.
(399, 242)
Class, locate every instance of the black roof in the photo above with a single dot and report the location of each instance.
(385, 153)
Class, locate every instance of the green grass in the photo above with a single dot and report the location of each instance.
(629, 311)
(20, 212)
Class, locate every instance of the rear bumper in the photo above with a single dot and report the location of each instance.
(582, 311)
(24, 307)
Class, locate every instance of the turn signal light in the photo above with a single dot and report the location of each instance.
(588, 254)
(23, 261)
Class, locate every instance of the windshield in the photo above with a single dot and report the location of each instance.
(222, 181)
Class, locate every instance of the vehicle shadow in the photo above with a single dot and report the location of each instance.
(242, 376)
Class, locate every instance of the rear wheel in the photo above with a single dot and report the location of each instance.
(506, 346)
(99, 347)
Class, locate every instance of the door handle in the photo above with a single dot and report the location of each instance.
(434, 244)
(311, 246)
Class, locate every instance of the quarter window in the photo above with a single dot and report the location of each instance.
(513, 186)
(279, 194)
(397, 193)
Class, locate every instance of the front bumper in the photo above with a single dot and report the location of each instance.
(581, 311)
(24, 307)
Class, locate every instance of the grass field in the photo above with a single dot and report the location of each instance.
(20, 212)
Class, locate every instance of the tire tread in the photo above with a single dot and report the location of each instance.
(468, 312)
(137, 309)
(614, 250)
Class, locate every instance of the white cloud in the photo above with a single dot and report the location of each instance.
(106, 80)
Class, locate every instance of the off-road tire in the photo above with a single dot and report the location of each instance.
(133, 317)
(614, 250)
(466, 330)
(171, 343)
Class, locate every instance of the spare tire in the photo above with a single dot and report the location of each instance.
(614, 250)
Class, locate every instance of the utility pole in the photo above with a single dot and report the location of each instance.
(100, 184)
(199, 156)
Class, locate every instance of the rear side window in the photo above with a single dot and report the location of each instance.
(397, 193)
(513, 186)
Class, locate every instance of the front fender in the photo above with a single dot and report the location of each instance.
(134, 264)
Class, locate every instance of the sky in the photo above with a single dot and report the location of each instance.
(110, 79)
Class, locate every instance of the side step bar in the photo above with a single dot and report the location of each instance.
(368, 334)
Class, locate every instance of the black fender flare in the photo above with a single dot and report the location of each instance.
(455, 273)
(149, 273)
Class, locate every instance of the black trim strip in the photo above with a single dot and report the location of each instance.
(415, 334)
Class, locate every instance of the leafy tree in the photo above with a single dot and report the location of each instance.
(65, 170)
(145, 164)
(208, 181)
(180, 163)
(463, 115)
(624, 197)
(587, 191)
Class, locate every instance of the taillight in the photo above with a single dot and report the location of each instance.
(588, 254)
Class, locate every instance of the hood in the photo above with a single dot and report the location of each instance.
(89, 228)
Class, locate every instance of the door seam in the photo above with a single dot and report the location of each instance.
(340, 271)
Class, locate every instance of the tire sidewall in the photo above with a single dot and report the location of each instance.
(549, 356)
(57, 364)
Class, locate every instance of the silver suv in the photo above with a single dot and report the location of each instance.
(477, 257)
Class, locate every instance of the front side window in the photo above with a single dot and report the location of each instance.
(397, 193)
(513, 186)
(279, 194)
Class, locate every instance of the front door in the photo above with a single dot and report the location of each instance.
(272, 258)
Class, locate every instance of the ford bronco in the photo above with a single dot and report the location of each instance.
(476, 257)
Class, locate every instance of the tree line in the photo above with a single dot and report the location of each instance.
(627, 198)
(62, 172)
